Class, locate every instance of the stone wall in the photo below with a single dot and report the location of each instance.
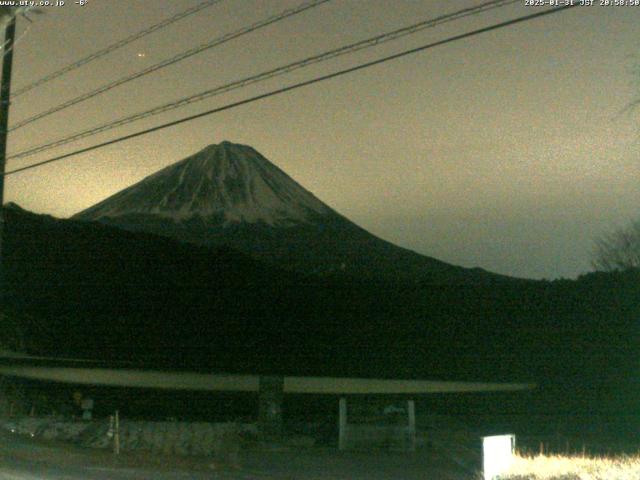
(180, 438)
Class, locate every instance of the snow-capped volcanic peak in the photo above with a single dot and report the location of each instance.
(227, 182)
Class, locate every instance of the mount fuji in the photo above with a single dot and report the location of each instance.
(229, 194)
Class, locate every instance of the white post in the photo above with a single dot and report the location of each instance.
(116, 434)
(342, 439)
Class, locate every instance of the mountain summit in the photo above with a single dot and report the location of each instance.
(229, 194)
(224, 183)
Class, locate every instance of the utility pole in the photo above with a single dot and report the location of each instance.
(5, 98)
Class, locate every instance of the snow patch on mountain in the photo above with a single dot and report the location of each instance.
(226, 183)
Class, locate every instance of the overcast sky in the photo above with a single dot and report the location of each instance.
(509, 151)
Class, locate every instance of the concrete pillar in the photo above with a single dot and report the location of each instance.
(270, 407)
(342, 432)
(411, 410)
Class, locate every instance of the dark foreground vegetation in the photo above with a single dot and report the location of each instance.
(91, 291)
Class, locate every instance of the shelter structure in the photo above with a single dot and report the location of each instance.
(270, 389)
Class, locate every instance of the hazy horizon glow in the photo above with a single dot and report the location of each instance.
(510, 151)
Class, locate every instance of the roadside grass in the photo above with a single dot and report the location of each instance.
(579, 467)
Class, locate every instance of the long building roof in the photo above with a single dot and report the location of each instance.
(172, 380)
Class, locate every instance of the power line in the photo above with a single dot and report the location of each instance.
(175, 59)
(9, 14)
(116, 46)
(351, 48)
(297, 85)
(5, 51)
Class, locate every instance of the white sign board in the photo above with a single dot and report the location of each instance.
(497, 454)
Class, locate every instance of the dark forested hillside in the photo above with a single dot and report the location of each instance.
(104, 293)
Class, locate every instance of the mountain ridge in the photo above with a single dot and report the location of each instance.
(227, 180)
(229, 194)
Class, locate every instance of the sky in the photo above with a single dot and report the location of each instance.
(512, 150)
